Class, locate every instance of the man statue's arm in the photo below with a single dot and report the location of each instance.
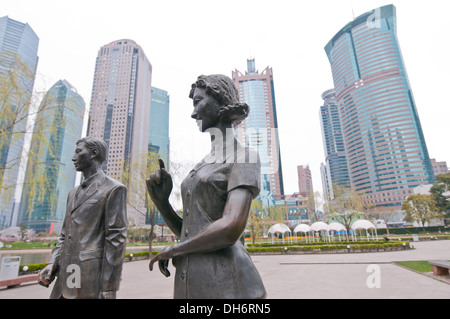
(115, 240)
(47, 275)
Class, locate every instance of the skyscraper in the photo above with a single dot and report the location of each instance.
(120, 112)
(305, 186)
(335, 158)
(18, 63)
(57, 129)
(159, 124)
(158, 140)
(386, 152)
(260, 128)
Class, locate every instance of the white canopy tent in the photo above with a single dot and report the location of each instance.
(321, 227)
(303, 228)
(338, 227)
(279, 228)
(366, 225)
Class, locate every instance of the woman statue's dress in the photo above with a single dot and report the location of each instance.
(229, 272)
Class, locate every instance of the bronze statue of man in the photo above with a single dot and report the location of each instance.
(88, 258)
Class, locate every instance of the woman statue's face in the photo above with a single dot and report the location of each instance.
(206, 109)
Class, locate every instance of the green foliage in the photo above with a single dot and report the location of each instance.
(18, 104)
(412, 230)
(33, 267)
(133, 176)
(440, 193)
(347, 206)
(15, 98)
(140, 254)
(329, 247)
(420, 208)
(417, 265)
(30, 245)
(357, 242)
(256, 220)
(40, 266)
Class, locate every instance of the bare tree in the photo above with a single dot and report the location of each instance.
(347, 205)
(133, 176)
(24, 112)
(421, 208)
(255, 222)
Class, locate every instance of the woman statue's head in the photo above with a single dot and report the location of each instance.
(222, 89)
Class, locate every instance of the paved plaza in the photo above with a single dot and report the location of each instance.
(316, 276)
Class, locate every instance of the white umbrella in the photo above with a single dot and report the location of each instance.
(335, 226)
(279, 228)
(320, 226)
(366, 225)
(303, 228)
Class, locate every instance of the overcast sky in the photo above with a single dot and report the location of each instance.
(183, 39)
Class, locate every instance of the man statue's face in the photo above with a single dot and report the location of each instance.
(82, 158)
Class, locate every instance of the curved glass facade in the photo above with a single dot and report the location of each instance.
(159, 124)
(385, 147)
(59, 127)
(18, 55)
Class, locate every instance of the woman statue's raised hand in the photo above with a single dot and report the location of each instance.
(159, 185)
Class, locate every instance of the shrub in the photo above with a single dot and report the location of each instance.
(327, 247)
(33, 267)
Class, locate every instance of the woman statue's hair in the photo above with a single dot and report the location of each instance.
(223, 90)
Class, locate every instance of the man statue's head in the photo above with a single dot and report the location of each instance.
(89, 151)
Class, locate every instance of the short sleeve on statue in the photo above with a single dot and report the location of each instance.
(246, 172)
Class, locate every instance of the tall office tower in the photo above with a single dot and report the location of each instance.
(305, 186)
(120, 113)
(158, 140)
(260, 128)
(18, 63)
(57, 130)
(386, 151)
(335, 157)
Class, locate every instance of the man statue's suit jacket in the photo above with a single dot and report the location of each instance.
(93, 238)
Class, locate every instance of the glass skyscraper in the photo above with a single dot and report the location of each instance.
(386, 152)
(57, 129)
(335, 158)
(260, 129)
(120, 113)
(158, 140)
(159, 124)
(18, 63)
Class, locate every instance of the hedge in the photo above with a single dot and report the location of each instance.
(328, 247)
(40, 266)
(140, 254)
(412, 230)
(33, 267)
(356, 242)
(279, 248)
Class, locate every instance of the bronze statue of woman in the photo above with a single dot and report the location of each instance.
(210, 259)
